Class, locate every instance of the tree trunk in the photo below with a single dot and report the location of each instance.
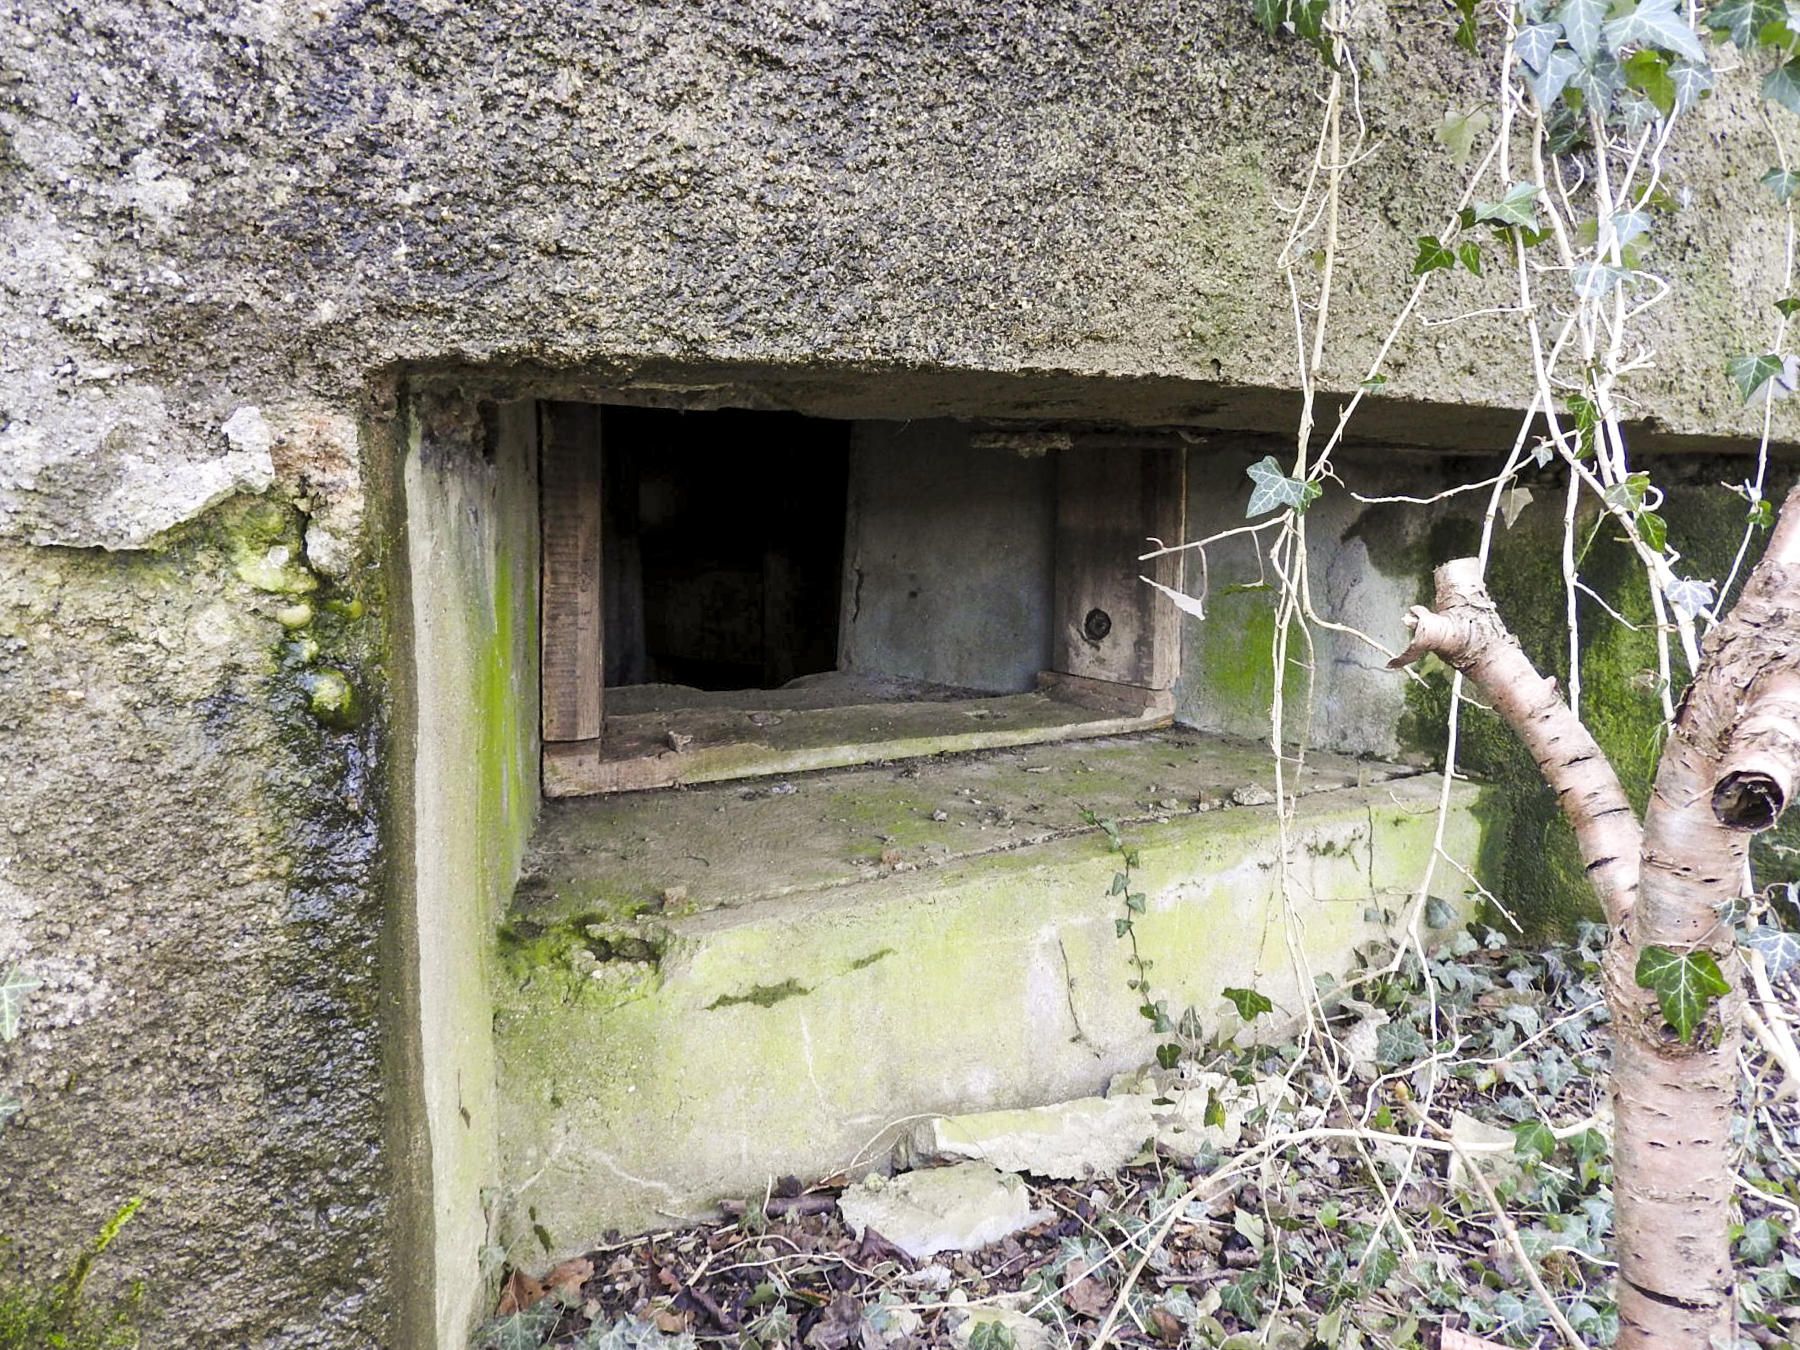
(1731, 763)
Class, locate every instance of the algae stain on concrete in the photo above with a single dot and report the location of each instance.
(764, 995)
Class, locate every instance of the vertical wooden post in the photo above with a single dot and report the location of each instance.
(573, 613)
(1109, 625)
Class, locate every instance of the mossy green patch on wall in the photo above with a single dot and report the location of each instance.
(1541, 880)
(788, 1028)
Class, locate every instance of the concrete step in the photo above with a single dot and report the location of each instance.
(699, 991)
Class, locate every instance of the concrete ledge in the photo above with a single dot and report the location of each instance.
(793, 1032)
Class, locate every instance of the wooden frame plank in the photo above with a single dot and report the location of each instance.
(1108, 624)
(572, 612)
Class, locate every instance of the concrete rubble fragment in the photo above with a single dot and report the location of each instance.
(957, 1208)
(1091, 1136)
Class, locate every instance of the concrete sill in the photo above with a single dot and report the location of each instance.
(668, 735)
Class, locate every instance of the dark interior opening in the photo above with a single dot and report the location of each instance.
(723, 540)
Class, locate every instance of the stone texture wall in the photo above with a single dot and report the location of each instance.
(231, 236)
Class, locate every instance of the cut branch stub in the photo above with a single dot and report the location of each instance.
(1760, 766)
(1465, 631)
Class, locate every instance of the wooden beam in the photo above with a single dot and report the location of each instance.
(573, 619)
(1110, 501)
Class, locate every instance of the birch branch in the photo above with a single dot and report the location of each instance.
(1466, 632)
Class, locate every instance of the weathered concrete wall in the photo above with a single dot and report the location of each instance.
(191, 867)
(231, 229)
(1367, 564)
(948, 559)
(471, 780)
(652, 1061)
(264, 203)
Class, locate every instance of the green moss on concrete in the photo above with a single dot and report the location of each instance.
(267, 547)
(762, 995)
(993, 981)
(1541, 880)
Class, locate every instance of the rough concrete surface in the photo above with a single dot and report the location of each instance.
(693, 984)
(236, 242)
(216, 206)
(188, 862)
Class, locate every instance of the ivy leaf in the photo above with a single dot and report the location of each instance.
(1374, 384)
(1458, 133)
(1308, 18)
(1535, 42)
(1587, 417)
(1399, 1043)
(1215, 1111)
(1468, 253)
(1693, 82)
(1654, 529)
(1647, 72)
(1239, 1298)
(1744, 19)
(1780, 950)
(1760, 1241)
(1515, 208)
(1581, 21)
(519, 1331)
(1784, 183)
(1271, 14)
(1768, 375)
(1561, 66)
(1782, 85)
(1685, 985)
(1629, 495)
(1438, 913)
(1594, 281)
(1515, 501)
(1433, 256)
(1533, 1137)
(1275, 489)
(1655, 23)
(1168, 1055)
(1599, 80)
(1250, 1005)
(1465, 24)
(14, 985)
(1690, 598)
(1630, 226)
(1633, 112)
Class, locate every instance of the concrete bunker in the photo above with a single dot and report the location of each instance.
(674, 938)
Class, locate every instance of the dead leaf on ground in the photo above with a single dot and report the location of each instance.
(1083, 1293)
(838, 1326)
(672, 1322)
(1169, 1329)
(520, 1292)
(565, 1280)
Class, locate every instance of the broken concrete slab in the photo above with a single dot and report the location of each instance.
(1089, 1136)
(959, 1208)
